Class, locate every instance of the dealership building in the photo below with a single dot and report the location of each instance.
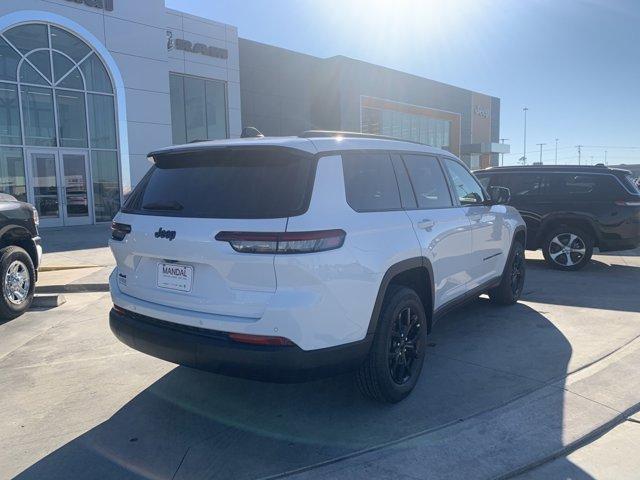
(89, 87)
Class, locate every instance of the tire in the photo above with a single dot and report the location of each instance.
(512, 282)
(375, 378)
(17, 282)
(578, 242)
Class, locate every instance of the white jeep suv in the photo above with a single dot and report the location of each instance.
(285, 259)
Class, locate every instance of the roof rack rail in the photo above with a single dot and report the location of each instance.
(332, 133)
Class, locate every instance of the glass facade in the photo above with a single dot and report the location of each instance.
(408, 126)
(198, 109)
(12, 177)
(57, 123)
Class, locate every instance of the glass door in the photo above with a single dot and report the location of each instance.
(75, 188)
(60, 187)
(45, 191)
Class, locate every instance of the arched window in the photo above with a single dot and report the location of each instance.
(56, 92)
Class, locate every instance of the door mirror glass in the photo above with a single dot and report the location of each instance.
(499, 195)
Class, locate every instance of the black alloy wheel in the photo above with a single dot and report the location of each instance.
(404, 345)
(517, 272)
(394, 363)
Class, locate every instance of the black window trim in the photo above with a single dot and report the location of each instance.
(398, 163)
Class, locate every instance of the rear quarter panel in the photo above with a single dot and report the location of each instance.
(343, 282)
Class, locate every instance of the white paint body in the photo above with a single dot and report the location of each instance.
(317, 300)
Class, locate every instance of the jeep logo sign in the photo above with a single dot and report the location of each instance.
(102, 4)
(481, 111)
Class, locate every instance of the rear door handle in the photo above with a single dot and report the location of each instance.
(426, 224)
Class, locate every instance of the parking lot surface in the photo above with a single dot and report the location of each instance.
(504, 389)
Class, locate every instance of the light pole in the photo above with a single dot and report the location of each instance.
(557, 151)
(502, 140)
(524, 161)
(579, 154)
(605, 158)
(541, 145)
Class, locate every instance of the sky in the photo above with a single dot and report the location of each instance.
(575, 64)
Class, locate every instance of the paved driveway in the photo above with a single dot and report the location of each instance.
(78, 404)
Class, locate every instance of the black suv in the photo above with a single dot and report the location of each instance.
(20, 254)
(570, 210)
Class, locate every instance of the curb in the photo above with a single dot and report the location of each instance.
(73, 288)
(48, 301)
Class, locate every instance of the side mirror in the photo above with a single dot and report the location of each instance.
(500, 195)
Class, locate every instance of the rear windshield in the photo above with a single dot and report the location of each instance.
(229, 183)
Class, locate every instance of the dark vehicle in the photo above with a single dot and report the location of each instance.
(20, 254)
(570, 210)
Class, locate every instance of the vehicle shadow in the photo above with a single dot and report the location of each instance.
(192, 424)
(617, 286)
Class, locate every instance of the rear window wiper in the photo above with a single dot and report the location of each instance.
(173, 205)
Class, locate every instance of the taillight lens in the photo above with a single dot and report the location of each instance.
(119, 230)
(283, 242)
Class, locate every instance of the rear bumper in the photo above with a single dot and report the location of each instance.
(214, 351)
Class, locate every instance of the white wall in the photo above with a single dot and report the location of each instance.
(135, 35)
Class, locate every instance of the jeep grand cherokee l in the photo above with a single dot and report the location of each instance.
(569, 210)
(285, 259)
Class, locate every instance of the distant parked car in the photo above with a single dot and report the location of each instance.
(571, 210)
(20, 254)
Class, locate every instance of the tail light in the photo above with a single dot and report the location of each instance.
(627, 203)
(283, 242)
(119, 230)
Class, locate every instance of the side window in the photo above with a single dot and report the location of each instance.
(370, 182)
(428, 180)
(519, 184)
(465, 185)
(578, 186)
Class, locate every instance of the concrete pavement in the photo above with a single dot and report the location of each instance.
(614, 456)
(503, 390)
(75, 259)
(81, 246)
